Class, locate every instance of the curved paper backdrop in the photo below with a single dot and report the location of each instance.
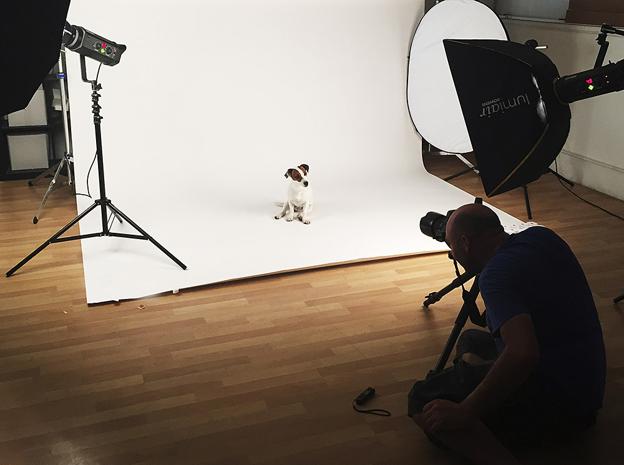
(214, 100)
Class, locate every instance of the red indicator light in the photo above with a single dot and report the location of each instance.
(589, 81)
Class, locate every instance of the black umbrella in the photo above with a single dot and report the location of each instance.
(30, 42)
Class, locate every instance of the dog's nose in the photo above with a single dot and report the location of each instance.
(305, 183)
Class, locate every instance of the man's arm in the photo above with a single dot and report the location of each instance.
(511, 369)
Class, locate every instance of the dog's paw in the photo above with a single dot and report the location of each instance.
(289, 219)
(306, 221)
(277, 217)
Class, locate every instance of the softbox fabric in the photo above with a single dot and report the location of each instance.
(431, 95)
(517, 125)
(30, 43)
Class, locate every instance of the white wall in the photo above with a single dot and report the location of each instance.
(594, 152)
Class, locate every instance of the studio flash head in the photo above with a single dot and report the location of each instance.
(434, 225)
(86, 43)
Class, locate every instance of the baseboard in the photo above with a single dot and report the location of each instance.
(591, 173)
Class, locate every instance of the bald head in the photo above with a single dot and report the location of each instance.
(473, 220)
(473, 233)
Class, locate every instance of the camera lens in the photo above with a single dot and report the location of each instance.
(430, 224)
(434, 225)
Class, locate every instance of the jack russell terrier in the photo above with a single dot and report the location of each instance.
(299, 201)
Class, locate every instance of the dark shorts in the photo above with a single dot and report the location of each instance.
(526, 418)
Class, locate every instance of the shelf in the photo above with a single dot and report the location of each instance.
(25, 130)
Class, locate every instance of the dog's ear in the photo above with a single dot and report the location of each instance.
(287, 173)
(305, 168)
(294, 174)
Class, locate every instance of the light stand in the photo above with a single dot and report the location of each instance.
(68, 158)
(103, 202)
(604, 46)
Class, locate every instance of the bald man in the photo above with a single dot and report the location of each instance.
(542, 363)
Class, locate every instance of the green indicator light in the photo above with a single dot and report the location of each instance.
(591, 87)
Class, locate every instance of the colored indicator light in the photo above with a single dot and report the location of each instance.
(591, 87)
(589, 81)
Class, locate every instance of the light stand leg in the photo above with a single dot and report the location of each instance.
(51, 187)
(46, 173)
(147, 236)
(456, 175)
(53, 239)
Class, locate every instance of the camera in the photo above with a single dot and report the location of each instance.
(434, 225)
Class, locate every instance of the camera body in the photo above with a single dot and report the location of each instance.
(433, 224)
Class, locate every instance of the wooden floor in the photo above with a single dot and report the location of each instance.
(261, 371)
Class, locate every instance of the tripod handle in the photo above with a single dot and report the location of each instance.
(457, 282)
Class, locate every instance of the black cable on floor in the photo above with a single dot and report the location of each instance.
(585, 200)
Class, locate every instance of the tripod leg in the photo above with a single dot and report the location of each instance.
(527, 201)
(58, 234)
(149, 238)
(51, 187)
(467, 308)
(456, 175)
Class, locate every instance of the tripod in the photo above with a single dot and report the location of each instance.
(469, 309)
(103, 202)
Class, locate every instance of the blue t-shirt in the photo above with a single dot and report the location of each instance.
(535, 272)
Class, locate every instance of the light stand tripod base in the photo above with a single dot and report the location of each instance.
(98, 203)
(103, 202)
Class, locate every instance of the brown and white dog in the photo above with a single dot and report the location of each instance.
(299, 202)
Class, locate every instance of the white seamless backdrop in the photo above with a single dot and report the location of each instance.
(213, 101)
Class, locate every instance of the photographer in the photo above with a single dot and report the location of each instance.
(541, 367)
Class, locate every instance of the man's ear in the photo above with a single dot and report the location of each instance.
(464, 242)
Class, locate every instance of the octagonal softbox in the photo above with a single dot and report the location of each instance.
(517, 125)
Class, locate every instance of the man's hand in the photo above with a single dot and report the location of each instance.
(443, 415)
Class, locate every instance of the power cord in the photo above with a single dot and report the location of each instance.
(364, 397)
(585, 200)
(88, 194)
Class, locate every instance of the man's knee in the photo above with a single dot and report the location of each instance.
(420, 421)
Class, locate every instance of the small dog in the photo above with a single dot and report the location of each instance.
(299, 202)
